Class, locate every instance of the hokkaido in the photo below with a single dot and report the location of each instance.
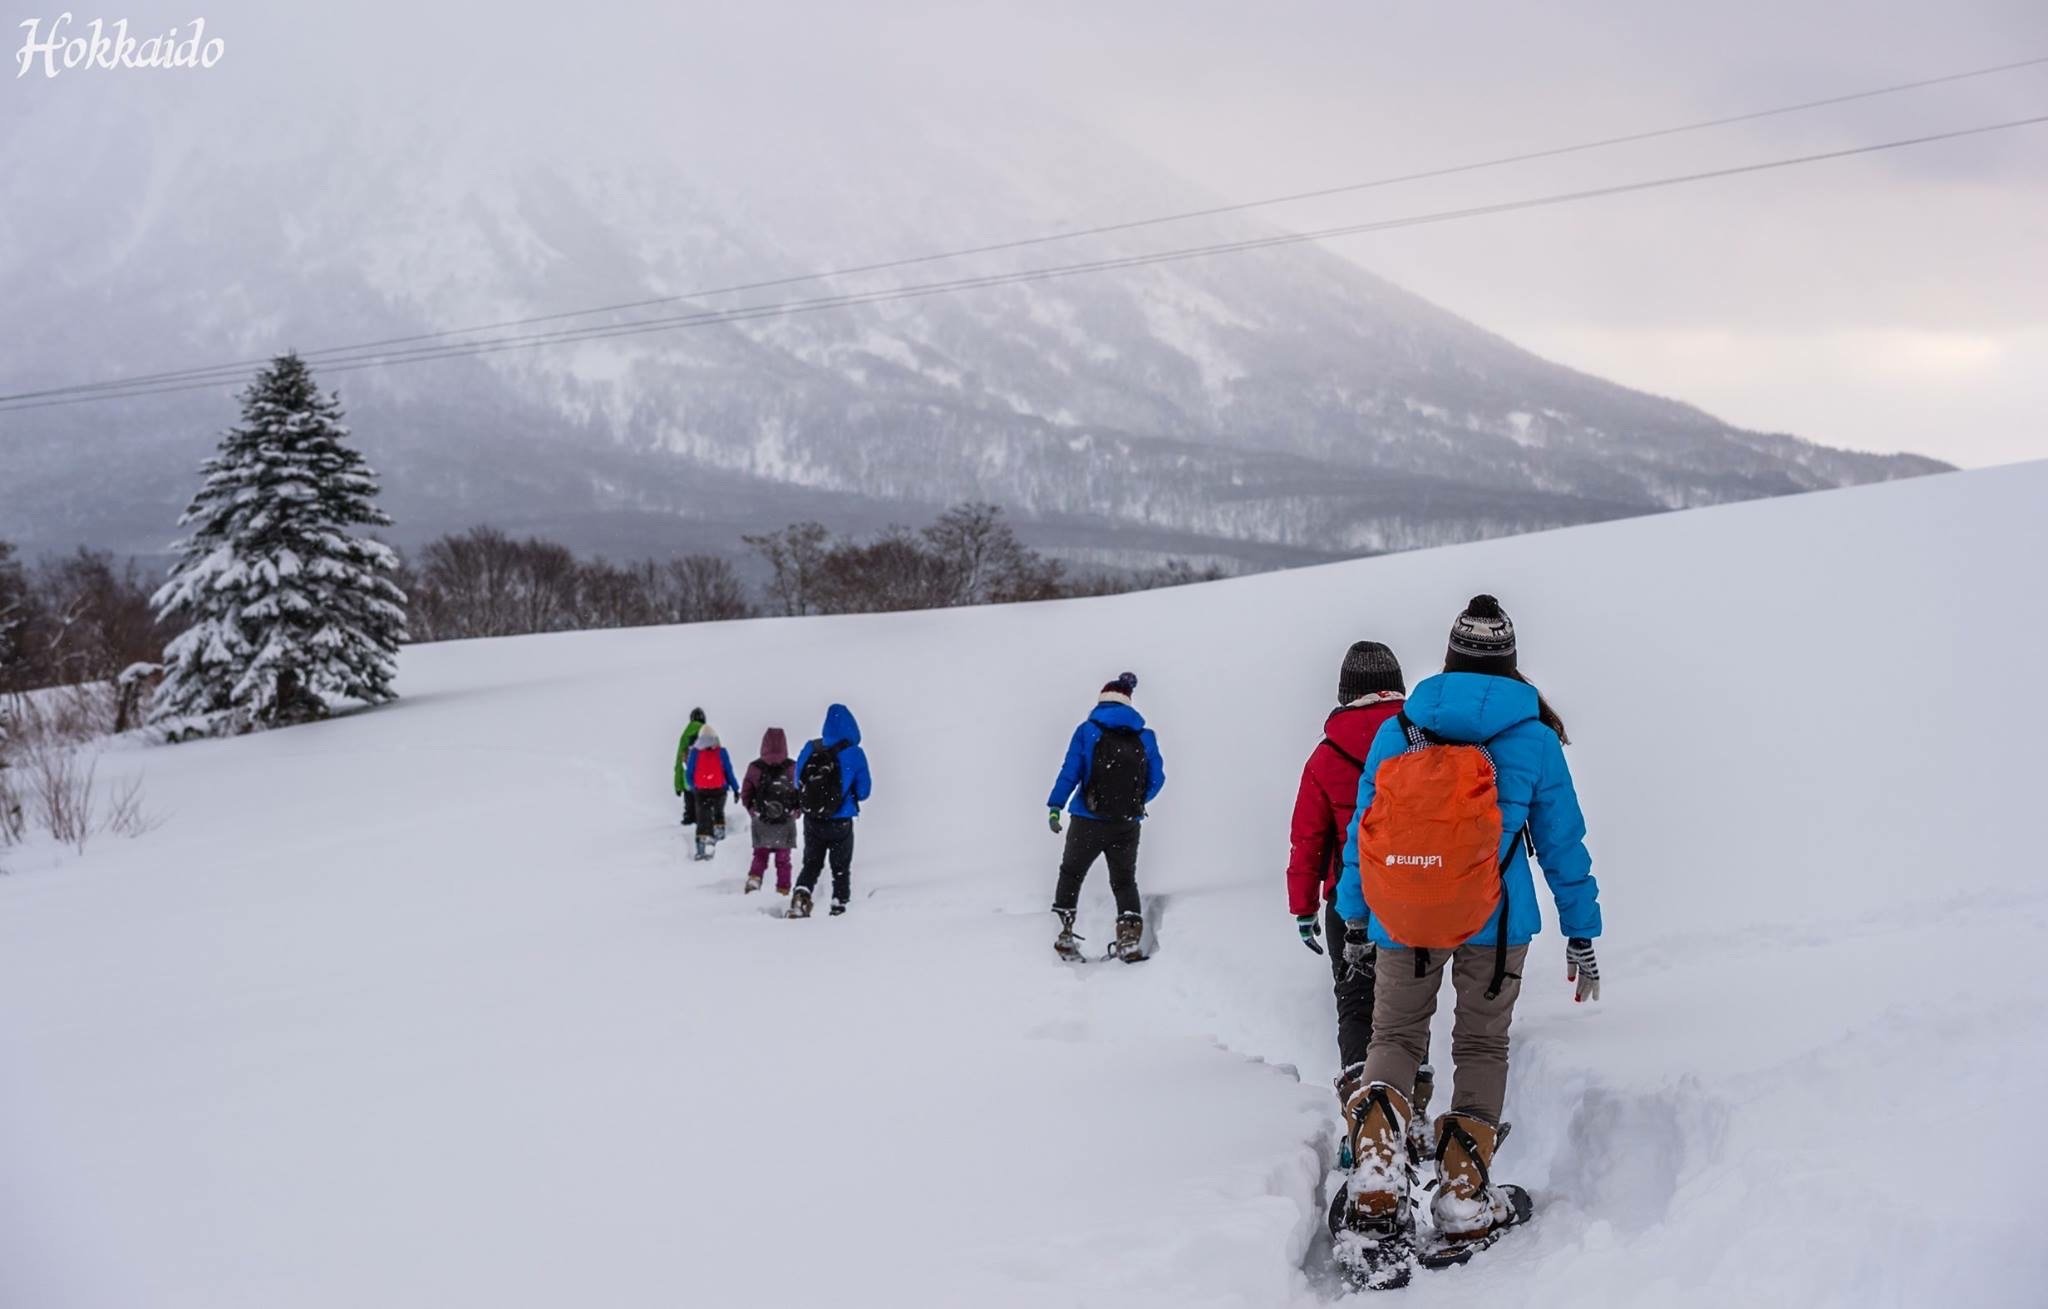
(101, 47)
